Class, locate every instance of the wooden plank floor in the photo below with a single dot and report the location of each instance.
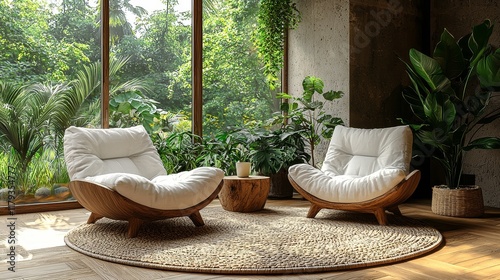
(471, 251)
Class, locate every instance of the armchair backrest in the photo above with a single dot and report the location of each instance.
(93, 151)
(360, 152)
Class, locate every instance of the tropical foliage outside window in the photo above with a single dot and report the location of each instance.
(50, 78)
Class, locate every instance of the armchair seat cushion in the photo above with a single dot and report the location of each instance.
(117, 173)
(345, 188)
(90, 152)
(364, 170)
(165, 192)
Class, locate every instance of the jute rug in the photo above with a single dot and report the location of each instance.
(276, 240)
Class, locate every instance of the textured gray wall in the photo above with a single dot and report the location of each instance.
(320, 47)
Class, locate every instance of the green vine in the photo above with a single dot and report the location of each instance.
(274, 18)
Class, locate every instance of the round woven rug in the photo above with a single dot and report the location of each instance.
(276, 240)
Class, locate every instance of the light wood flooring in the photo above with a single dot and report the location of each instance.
(471, 251)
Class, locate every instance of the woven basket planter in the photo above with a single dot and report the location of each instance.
(462, 202)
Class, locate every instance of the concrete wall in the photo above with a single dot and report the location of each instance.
(458, 16)
(320, 47)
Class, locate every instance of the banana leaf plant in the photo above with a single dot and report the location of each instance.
(450, 96)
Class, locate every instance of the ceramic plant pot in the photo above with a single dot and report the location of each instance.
(243, 169)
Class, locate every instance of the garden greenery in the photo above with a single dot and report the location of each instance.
(275, 17)
(50, 77)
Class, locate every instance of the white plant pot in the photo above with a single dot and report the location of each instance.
(243, 169)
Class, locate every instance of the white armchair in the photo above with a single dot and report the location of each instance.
(366, 170)
(117, 173)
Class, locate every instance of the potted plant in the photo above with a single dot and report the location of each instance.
(241, 154)
(306, 114)
(449, 95)
(271, 153)
(230, 149)
(243, 169)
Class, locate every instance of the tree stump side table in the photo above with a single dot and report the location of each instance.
(244, 194)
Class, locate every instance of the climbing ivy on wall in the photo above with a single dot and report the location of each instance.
(274, 18)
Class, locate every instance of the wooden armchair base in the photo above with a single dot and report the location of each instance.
(103, 202)
(378, 206)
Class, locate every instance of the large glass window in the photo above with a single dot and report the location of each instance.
(50, 78)
(235, 92)
(150, 71)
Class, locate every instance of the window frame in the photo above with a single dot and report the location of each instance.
(197, 93)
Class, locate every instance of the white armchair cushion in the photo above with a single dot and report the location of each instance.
(345, 188)
(111, 180)
(360, 152)
(165, 192)
(360, 164)
(91, 152)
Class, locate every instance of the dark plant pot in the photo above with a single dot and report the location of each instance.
(466, 201)
(280, 186)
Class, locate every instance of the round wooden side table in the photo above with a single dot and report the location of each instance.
(244, 194)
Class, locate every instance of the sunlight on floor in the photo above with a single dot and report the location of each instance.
(50, 221)
(21, 253)
(46, 231)
(33, 239)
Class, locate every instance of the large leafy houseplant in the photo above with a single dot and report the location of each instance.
(307, 114)
(276, 150)
(271, 152)
(184, 150)
(450, 94)
(179, 151)
(224, 150)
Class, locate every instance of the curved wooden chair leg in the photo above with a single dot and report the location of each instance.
(313, 211)
(93, 218)
(388, 201)
(381, 216)
(197, 219)
(133, 226)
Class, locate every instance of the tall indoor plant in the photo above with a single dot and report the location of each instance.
(449, 95)
(307, 114)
